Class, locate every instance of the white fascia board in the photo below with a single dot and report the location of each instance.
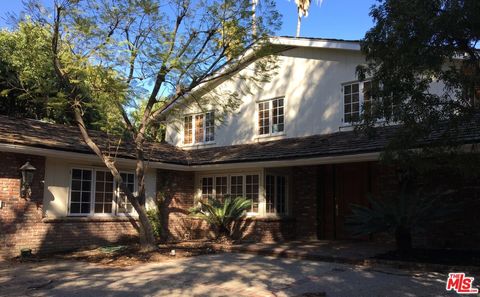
(85, 157)
(305, 42)
(22, 149)
(294, 162)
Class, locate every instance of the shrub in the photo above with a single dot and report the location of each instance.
(154, 217)
(221, 214)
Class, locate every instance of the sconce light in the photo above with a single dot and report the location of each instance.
(27, 177)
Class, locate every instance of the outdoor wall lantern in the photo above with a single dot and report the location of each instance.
(27, 177)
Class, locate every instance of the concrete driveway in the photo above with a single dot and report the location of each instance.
(226, 274)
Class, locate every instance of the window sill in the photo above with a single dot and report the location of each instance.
(89, 219)
(351, 126)
(270, 136)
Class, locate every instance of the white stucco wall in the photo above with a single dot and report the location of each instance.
(57, 184)
(310, 80)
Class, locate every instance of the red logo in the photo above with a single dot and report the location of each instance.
(460, 283)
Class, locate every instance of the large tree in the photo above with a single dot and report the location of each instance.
(29, 87)
(162, 53)
(423, 66)
(423, 61)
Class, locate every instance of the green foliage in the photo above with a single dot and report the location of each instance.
(415, 208)
(415, 46)
(155, 221)
(30, 88)
(222, 213)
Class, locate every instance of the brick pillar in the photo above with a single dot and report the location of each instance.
(176, 189)
(20, 219)
(304, 201)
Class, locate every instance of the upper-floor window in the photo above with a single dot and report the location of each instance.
(271, 118)
(357, 99)
(94, 191)
(199, 128)
(352, 102)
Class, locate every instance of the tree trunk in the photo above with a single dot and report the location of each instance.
(299, 21)
(147, 237)
(403, 239)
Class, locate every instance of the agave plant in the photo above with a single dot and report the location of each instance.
(221, 214)
(401, 216)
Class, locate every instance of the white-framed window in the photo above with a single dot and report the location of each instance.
(352, 102)
(125, 206)
(81, 191)
(271, 116)
(199, 128)
(234, 185)
(104, 192)
(357, 99)
(276, 194)
(94, 192)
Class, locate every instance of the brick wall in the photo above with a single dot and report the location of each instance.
(304, 201)
(22, 224)
(177, 190)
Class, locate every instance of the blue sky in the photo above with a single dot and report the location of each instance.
(344, 19)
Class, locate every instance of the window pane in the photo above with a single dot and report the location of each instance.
(85, 208)
(187, 130)
(76, 185)
(75, 208)
(210, 126)
(103, 192)
(347, 89)
(269, 189)
(251, 188)
(277, 116)
(275, 187)
(236, 186)
(77, 174)
(280, 194)
(355, 88)
(351, 103)
(87, 174)
(263, 118)
(75, 197)
(221, 188)
(124, 206)
(207, 187)
(199, 128)
(80, 191)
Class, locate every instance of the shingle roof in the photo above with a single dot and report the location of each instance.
(52, 136)
(39, 134)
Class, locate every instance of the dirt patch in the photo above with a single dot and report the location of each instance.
(126, 255)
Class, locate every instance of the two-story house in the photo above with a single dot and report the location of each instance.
(290, 147)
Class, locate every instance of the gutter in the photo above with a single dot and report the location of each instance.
(52, 153)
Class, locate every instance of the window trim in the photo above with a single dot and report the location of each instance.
(270, 117)
(92, 213)
(204, 128)
(69, 205)
(361, 101)
(261, 172)
(117, 193)
(287, 191)
(229, 183)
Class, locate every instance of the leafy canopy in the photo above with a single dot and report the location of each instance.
(423, 61)
(29, 87)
